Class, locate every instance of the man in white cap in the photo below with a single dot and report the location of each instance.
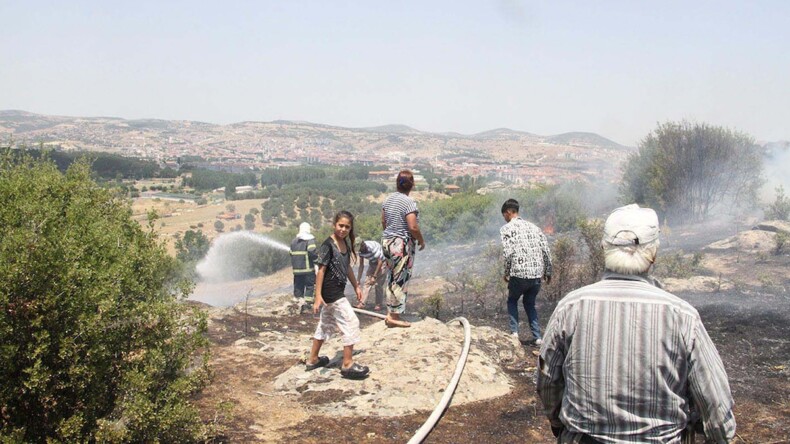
(303, 258)
(623, 361)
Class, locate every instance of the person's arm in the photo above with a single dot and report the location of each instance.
(355, 283)
(551, 381)
(374, 273)
(379, 266)
(311, 251)
(544, 248)
(414, 229)
(507, 254)
(709, 387)
(319, 280)
(361, 267)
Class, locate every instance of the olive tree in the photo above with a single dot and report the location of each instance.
(686, 169)
(94, 344)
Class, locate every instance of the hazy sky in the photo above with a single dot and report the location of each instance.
(547, 67)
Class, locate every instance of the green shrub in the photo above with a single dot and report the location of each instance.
(591, 231)
(432, 305)
(564, 278)
(779, 209)
(782, 241)
(94, 345)
(678, 265)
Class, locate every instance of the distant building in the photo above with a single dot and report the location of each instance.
(381, 176)
(452, 189)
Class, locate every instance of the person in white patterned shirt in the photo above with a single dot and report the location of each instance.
(624, 361)
(527, 262)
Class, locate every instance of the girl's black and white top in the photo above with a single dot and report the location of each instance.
(396, 207)
(336, 272)
(525, 249)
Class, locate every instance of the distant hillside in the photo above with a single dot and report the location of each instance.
(392, 129)
(504, 133)
(241, 146)
(584, 139)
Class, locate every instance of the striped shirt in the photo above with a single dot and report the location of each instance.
(525, 250)
(624, 361)
(374, 253)
(396, 207)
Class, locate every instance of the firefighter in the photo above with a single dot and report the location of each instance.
(303, 256)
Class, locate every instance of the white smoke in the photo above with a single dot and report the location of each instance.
(777, 165)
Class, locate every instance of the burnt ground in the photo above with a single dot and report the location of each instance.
(754, 345)
(750, 326)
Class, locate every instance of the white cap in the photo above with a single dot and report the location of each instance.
(642, 222)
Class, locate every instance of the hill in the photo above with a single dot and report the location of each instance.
(502, 152)
(585, 139)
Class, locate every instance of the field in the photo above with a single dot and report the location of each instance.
(176, 217)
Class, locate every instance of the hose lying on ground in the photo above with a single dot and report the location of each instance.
(430, 423)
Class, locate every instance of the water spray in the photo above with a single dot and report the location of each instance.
(222, 260)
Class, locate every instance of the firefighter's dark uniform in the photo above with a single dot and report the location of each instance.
(303, 256)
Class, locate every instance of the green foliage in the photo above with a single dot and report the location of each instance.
(432, 305)
(94, 345)
(563, 277)
(685, 170)
(279, 177)
(782, 241)
(219, 226)
(249, 222)
(250, 259)
(207, 180)
(463, 217)
(192, 247)
(678, 265)
(283, 176)
(576, 263)
(779, 209)
(104, 165)
(591, 231)
(558, 207)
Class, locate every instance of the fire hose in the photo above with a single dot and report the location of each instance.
(430, 423)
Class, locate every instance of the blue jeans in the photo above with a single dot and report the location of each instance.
(528, 288)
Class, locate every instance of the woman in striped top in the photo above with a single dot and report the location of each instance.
(401, 229)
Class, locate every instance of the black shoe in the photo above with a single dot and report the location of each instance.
(322, 362)
(356, 371)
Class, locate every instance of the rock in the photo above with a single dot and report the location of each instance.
(752, 241)
(775, 226)
(409, 369)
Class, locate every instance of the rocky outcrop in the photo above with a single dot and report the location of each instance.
(775, 226)
(752, 241)
(409, 370)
